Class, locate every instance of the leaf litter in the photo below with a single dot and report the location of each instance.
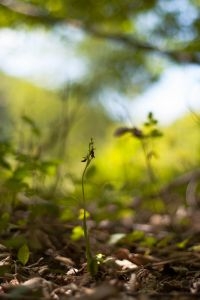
(134, 266)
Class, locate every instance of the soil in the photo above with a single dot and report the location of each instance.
(163, 263)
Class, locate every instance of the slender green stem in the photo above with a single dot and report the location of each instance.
(91, 261)
(148, 163)
(88, 250)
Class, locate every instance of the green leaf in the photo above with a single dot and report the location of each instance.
(92, 266)
(183, 244)
(49, 167)
(4, 163)
(81, 214)
(149, 241)
(4, 220)
(15, 242)
(77, 233)
(156, 133)
(32, 125)
(136, 235)
(23, 254)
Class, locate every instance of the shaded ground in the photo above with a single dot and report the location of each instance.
(149, 261)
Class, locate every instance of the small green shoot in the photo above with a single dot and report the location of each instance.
(145, 135)
(77, 233)
(23, 254)
(92, 264)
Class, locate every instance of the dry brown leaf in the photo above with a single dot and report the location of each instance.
(102, 292)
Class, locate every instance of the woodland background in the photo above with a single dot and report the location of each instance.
(144, 176)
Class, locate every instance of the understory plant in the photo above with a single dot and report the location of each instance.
(92, 264)
(145, 135)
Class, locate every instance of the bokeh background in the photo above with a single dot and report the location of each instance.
(72, 70)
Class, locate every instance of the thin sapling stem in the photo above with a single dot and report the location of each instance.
(91, 261)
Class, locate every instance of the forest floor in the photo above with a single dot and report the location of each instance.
(163, 264)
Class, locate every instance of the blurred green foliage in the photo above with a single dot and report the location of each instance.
(126, 45)
(41, 164)
(32, 148)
